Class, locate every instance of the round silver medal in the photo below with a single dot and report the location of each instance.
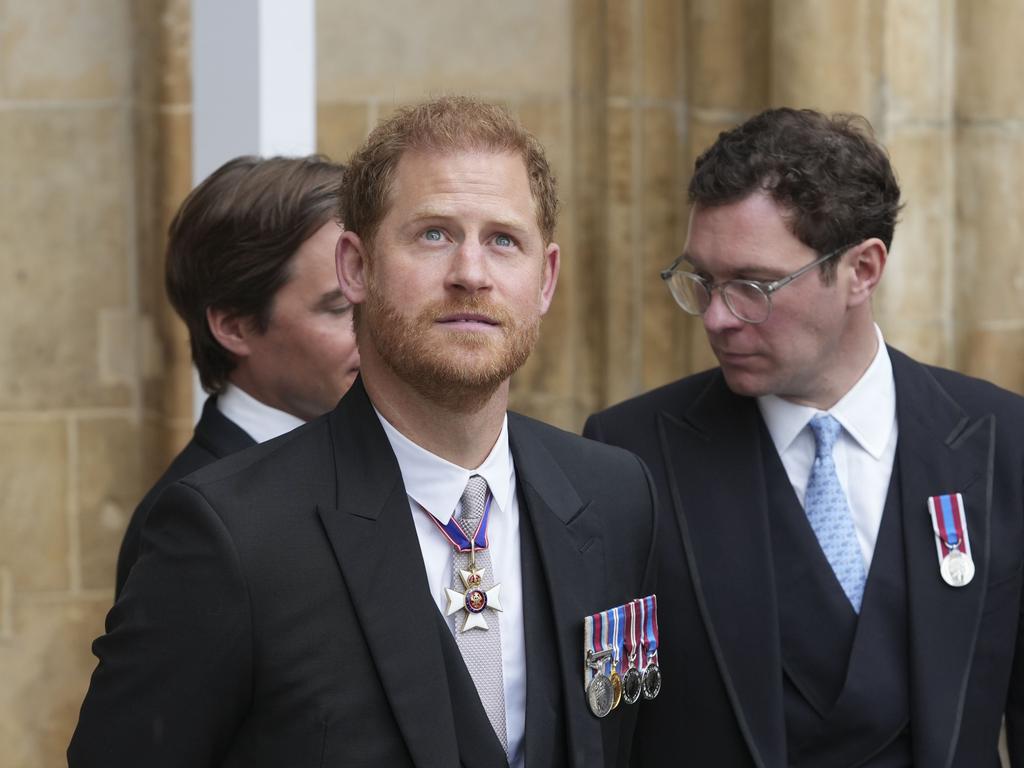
(652, 681)
(632, 682)
(600, 695)
(957, 569)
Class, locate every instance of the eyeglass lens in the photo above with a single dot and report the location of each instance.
(745, 300)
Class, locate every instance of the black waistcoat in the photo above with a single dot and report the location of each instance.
(545, 743)
(846, 677)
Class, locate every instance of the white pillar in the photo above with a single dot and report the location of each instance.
(253, 85)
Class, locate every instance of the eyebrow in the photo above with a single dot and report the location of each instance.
(427, 214)
(329, 298)
(744, 269)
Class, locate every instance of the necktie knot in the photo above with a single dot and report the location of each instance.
(474, 498)
(826, 431)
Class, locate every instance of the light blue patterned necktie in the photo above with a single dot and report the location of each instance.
(829, 514)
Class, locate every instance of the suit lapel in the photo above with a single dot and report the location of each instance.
(375, 543)
(571, 557)
(940, 451)
(724, 522)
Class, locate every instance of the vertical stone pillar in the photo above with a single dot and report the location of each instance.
(914, 305)
(889, 62)
(728, 44)
(988, 267)
(644, 122)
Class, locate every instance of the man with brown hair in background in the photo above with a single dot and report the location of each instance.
(250, 269)
(404, 581)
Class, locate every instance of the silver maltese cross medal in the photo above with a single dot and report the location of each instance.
(475, 600)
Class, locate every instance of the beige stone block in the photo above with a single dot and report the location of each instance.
(34, 503)
(175, 63)
(175, 162)
(664, 50)
(60, 273)
(701, 357)
(148, 158)
(917, 282)
(989, 271)
(928, 342)
(340, 129)
(553, 409)
(118, 459)
(589, 247)
(996, 355)
(919, 53)
(663, 212)
(729, 44)
(825, 55)
(701, 134)
(621, 45)
(60, 51)
(45, 668)
(407, 50)
(589, 48)
(623, 366)
(989, 60)
(550, 368)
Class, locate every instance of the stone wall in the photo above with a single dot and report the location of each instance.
(94, 157)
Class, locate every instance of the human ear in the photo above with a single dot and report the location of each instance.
(350, 263)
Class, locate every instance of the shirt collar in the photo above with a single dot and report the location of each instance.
(259, 420)
(867, 411)
(437, 485)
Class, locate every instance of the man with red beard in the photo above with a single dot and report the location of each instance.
(404, 581)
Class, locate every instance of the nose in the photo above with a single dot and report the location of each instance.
(717, 317)
(468, 270)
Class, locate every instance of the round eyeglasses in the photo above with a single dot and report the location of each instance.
(748, 300)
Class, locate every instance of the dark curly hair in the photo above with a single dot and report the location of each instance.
(828, 172)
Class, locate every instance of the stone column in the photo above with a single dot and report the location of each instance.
(988, 267)
(728, 46)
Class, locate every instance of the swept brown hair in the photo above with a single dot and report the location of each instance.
(232, 241)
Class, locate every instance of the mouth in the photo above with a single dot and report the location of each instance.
(468, 321)
(724, 355)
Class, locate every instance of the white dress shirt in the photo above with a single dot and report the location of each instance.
(435, 488)
(257, 419)
(864, 452)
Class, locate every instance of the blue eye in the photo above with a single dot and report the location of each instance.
(504, 241)
(433, 235)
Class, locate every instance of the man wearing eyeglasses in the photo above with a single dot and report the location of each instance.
(843, 537)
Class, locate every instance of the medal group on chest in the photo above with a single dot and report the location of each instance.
(620, 655)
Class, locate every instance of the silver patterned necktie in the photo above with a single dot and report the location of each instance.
(481, 648)
(829, 514)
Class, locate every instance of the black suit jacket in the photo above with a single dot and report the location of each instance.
(215, 437)
(279, 612)
(718, 611)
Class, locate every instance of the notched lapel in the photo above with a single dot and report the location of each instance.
(940, 450)
(723, 519)
(572, 560)
(375, 543)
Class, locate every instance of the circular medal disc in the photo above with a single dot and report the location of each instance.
(600, 695)
(632, 682)
(957, 569)
(652, 681)
(616, 682)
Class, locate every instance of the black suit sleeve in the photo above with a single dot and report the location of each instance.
(1014, 714)
(173, 679)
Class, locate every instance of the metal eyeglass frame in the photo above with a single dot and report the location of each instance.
(765, 288)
